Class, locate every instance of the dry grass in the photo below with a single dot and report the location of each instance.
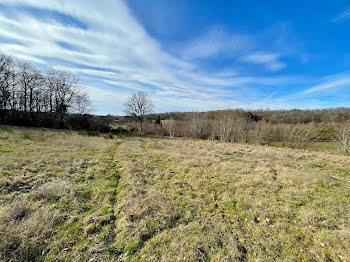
(51, 184)
(66, 197)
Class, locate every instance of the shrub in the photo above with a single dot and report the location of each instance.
(133, 130)
(120, 130)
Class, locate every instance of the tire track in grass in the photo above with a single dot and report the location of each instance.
(91, 234)
(151, 206)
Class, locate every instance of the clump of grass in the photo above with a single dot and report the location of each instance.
(52, 192)
(17, 211)
(88, 133)
(108, 136)
(24, 230)
(68, 132)
(27, 135)
(6, 129)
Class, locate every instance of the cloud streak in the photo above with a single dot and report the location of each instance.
(270, 60)
(342, 17)
(114, 56)
(332, 84)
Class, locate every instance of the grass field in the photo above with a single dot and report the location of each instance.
(318, 146)
(67, 197)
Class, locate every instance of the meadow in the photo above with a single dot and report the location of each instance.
(65, 196)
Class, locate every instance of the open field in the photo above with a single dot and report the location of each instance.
(67, 197)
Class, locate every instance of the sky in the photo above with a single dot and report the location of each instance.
(189, 55)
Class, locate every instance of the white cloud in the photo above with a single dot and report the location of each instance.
(122, 84)
(269, 60)
(105, 100)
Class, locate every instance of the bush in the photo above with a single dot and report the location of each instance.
(120, 130)
(133, 130)
(153, 129)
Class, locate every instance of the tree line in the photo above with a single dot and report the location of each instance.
(294, 128)
(244, 127)
(31, 97)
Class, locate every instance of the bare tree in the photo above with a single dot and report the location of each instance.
(170, 126)
(26, 81)
(198, 125)
(344, 139)
(82, 104)
(63, 89)
(232, 126)
(27, 96)
(297, 136)
(261, 133)
(225, 125)
(6, 80)
(139, 105)
(241, 127)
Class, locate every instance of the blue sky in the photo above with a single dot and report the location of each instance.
(189, 55)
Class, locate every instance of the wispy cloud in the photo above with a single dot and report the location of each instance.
(215, 41)
(331, 84)
(114, 55)
(342, 16)
(270, 60)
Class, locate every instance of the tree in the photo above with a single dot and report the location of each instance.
(6, 80)
(170, 126)
(27, 80)
(64, 89)
(344, 138)
(30, 97)
(198, 125)
(82, 104)
(139, 105)
(224, 125)
(297, 136)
